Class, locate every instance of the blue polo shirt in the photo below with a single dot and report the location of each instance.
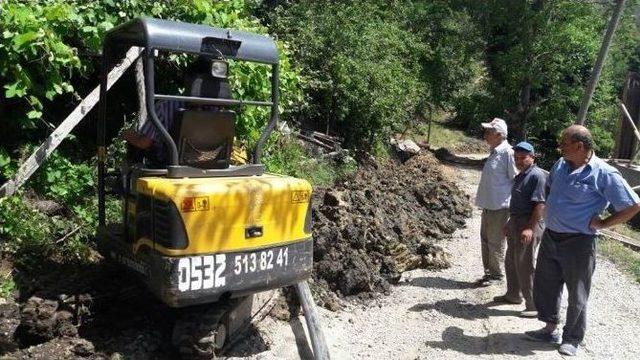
(576, 197)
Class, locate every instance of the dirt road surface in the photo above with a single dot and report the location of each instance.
(442, 315)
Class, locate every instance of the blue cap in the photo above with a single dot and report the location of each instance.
(524, 146)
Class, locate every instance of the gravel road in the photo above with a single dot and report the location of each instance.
(441, 315)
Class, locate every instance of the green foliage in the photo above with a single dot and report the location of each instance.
(286, 156)
(361, 62)
(35, 62)
(453, 60)
(31, 237)
(539, 56)
(7, 286)
(7, 167)
(62, 180)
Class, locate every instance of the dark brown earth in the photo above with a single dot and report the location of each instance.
(384, 220)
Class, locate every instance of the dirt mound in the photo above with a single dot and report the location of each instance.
(381, 222)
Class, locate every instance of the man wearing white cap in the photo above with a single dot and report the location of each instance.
(493, 196)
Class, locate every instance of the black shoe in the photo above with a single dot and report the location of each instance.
(506, 300)
(484, 281)
(543, 335)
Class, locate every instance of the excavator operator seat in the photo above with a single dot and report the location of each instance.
(205, 138)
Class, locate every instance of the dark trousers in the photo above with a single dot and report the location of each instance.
(565, 259)
(519, 262)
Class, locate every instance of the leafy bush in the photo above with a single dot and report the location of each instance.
(35, 62)
(7, 286)
(64, 181)
(31, 236)
(6, 166)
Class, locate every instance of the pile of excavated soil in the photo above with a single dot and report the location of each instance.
(381, 222)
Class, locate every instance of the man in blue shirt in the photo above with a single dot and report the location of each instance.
(580, 187)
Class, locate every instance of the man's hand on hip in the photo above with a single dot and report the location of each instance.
(619, 217)
(596, 223)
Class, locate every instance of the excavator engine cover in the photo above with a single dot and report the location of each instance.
(195, 240)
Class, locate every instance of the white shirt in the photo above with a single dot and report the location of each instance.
(494, 190)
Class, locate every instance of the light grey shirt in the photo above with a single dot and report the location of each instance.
(494, 191)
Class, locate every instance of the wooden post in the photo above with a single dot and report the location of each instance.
(429, 128)
(633, 125)
(635, 131)
(142, 112)
(597, 68)
(60, 133)
(318, 342)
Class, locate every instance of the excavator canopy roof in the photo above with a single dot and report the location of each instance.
(193, 38)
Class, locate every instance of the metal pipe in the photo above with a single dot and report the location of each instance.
(151, 108)
(318, 342)
(212, 101)
(597, 68)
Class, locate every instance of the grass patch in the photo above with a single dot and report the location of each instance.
(626, 259)
(7, 286)
(443, 135)
(626, 230)
(288, 157)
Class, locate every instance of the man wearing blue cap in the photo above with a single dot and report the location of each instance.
(524, 229)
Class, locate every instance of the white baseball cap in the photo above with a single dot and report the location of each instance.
(497, 124)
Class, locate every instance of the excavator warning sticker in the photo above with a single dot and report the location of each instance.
(300, 196)
(195, 203)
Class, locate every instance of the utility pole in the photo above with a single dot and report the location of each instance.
(597, 68)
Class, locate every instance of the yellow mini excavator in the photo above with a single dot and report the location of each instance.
(195, 228)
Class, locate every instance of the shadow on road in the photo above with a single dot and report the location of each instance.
(453, 338)
(246, 344)
(435, 282)
(463, 310)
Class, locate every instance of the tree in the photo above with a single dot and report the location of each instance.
(539, 56)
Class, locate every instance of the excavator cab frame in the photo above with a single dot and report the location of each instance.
(198, 234)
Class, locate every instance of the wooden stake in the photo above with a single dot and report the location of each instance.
(51, 143)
